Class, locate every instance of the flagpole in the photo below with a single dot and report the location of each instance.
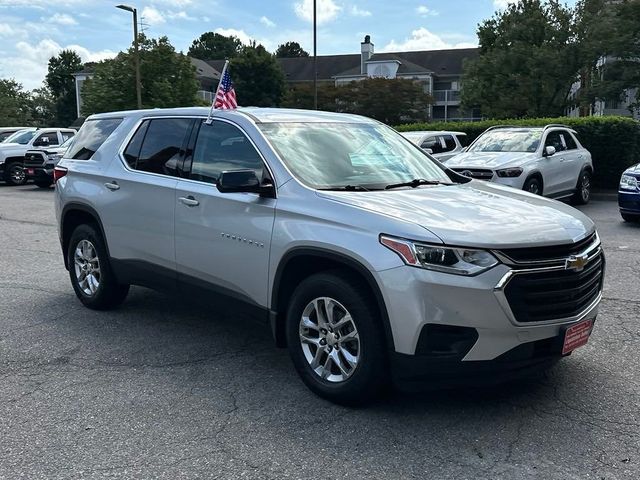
(213, 104)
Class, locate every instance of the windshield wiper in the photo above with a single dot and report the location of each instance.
(416, 182)
(347, 188)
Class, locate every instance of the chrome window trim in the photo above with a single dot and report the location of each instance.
(136, 126)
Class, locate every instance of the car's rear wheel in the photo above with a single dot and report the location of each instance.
(14, 174)
(335, 338)
(43, 183)
(583, 189)
(627, 217)
(90, 272)
(533, 185)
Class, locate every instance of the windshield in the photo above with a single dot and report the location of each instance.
(508, 141)
(22, 137)
(334, 155)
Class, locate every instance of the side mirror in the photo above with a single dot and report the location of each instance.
(549, 151)
(243, 181)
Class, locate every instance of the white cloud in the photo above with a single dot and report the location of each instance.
(28, 64)
(267, 22)
(182, 15)
(240, 34)
(503, 4)
(152, 16)
(7, 30)
(61, 19)
(423, 39)
(425, 11)
(358, 12)
(327, 10)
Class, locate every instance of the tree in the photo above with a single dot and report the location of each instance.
(259, 80)
(392, 101)
(529, 58)
(290, 50)
(61, 85)
(14, 104)
(611, 61)
(213, 46)
(168, 79)
(42, 108)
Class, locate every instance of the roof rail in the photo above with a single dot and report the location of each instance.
(495, 127)
(553, 125)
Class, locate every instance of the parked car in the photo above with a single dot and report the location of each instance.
(6, 132)
(547, 161)
(39, 164)
(367, 258)
(442, 145)
(13, 149)
(629, 194)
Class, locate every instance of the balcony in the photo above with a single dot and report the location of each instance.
(446, 97)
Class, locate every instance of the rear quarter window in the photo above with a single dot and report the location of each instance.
(91, 136)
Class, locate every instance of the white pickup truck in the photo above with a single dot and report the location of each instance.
(13, 149)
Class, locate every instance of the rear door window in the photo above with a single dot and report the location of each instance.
(91, 137)
(449, 143)
(163, 146)
(67, 135)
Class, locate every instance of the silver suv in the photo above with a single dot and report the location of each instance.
(369, 261)
(547, 161)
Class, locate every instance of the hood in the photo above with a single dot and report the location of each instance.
(4, 145)
(490, 160)
(477, 214)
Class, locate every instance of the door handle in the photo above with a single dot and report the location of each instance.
(112, 185)
(189, 201)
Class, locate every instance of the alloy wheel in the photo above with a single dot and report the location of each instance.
(329, 339)
(17, 175)
(585, 188)
(87, 267)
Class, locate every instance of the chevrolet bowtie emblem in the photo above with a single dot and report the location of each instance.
(576, 263)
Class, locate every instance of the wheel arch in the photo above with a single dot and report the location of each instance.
(301, 262)
(536, 174)
(73, 215)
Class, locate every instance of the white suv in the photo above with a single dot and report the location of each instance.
(13, 149)
(367, 258)
(547, 161)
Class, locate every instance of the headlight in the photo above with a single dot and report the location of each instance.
(459, 261)
(54, 157)
(628, 182)
(509, 172)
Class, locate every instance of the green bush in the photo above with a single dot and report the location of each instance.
(614, 142)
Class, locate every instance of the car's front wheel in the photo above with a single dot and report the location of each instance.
(533, 185)
(90, 272)
(14, 174)
(335, 338)
(583, 189)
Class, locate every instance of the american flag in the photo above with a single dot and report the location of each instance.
(226, 97)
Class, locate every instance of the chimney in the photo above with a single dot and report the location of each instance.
(366, 52)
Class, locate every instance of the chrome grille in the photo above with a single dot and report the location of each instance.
(478, 173)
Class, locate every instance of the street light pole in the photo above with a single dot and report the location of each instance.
(315, 59)
(136, 51)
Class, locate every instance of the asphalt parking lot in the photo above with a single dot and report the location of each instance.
(162, 388)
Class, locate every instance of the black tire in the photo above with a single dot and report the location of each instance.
(370, 376)
(109, 293)
(629, 217)
(583, 189)
(533, 185)
(14, 174)
(43, 183)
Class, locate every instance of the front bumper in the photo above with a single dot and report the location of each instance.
(479, 332)
(629, 202)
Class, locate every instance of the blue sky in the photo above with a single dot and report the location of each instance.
(31, 31)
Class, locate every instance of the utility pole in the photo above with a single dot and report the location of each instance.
(136, 51)
(315, 58)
